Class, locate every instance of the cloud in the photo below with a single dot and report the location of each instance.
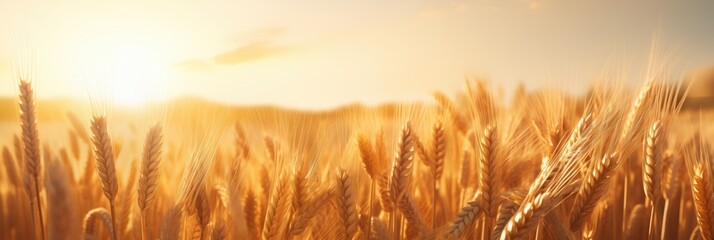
(250, 52)
(260, 45)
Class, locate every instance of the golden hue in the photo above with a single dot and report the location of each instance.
(203, 171)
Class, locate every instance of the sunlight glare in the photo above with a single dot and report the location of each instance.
(134, 72)
(124, 68)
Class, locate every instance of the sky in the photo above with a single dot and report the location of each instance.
(324, 54)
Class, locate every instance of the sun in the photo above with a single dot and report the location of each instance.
(136, 72)
(123, 66)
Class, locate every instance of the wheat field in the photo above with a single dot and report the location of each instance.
(618, 163)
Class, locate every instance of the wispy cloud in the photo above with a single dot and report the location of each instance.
(261, 45)
(250, 52)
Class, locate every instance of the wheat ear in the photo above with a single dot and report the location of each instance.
(104, 163)
(251, 214)
(637, 223)
(10, 167)
(60, 211)
(300, 189)
(18, 149)
(373, 166)
(378, 230)
(384, 194)
(304, 215)
(450, 107)
(345, 204)
(368, 156)
(173, 223)
(203, 211)
(591, 190)
(410, 211)
(89, 228)
(423, 153)
(278, 203)
(702, 195)
(466, 217)
(31, 143)
(402, 170)
(506, 211)
(219, 231)
(149, 173)
(438, 149)
(651, 167)
(150, 165)
(489, 143)
(526, 218)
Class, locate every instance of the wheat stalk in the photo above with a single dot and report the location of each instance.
(125, 198)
